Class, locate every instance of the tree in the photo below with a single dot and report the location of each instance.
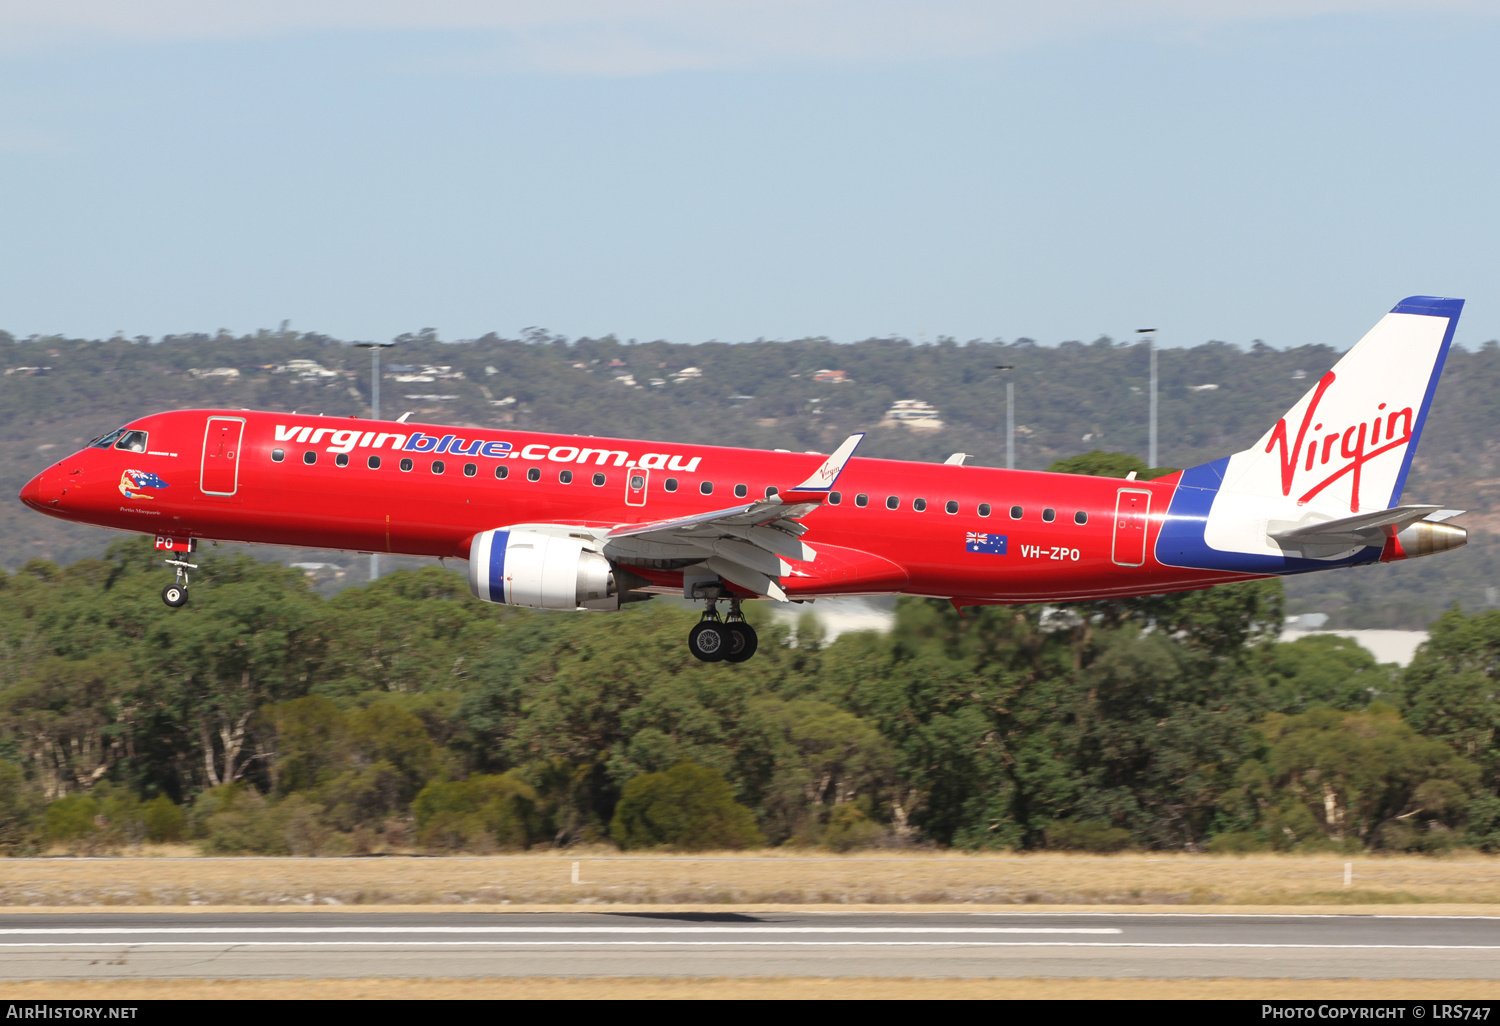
(1451, 690)
(689, 807)
(1366, 777)
(70, 717)
(233, 650)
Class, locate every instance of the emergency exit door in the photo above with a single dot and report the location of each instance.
(635, 486)
(220, 473)
(1132, 509)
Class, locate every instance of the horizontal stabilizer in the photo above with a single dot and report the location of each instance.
(1361, 529)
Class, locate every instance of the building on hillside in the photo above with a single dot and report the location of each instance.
(915, 414)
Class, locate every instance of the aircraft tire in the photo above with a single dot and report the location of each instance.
(742, 642)
(708, 641)
(174, 595)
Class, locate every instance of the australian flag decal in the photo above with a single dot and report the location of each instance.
(988, 544)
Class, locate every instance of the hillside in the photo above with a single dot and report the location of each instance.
(57, 393)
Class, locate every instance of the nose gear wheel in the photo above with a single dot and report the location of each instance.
(176, 593)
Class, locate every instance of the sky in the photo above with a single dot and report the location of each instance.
(1231, 170)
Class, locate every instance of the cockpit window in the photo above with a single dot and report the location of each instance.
(132, 441)
(105, 441)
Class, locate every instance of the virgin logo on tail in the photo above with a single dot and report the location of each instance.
(1358, 444)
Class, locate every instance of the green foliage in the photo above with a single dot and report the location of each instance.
(848, 828)
(283, 722)
(1362, 777)
(689, 807)
(482, 813)
(1095, 835)
(1325, 669)
(1451, 690)
(164, 820)
(72, 819)
(1098, 463)
(18, 806)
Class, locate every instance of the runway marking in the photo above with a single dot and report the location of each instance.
(174, 930)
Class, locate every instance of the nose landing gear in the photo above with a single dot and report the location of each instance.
(176, 593)
(732, 639)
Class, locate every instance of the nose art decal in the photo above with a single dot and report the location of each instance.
(137, 484)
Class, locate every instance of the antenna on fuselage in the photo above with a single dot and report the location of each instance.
(402, 419)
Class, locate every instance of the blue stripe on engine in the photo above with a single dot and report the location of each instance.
(498, 542)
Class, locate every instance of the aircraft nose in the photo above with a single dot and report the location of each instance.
(31, 494)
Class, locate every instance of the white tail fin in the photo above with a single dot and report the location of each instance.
(1347, 445)
(1344, 449)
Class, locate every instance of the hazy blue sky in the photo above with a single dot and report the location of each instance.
(685, 170)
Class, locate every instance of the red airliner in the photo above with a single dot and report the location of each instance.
(568, 522)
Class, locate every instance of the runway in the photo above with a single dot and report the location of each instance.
(327, 945)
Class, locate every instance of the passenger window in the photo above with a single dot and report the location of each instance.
(502, 472)
(406, 464)
(470, 469)
(861, 500)
(772, 490)
(920, 505)
(740, 491)
(893, 502)
(309, 457)
(984, 509)
(598, 480)
(566, 477)
(437, 466)
(373, 462)
(133, 441)
(277, 455)
(671, 484)
(1015, 512)
(107, 440)
(637, 481)
(1080, 518)
(1049, 514)
(342, 459)
(834, 498)
(951, 506)
(533, 474)
(706, 488)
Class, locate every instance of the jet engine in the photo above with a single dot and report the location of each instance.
(1423, 539)
(541, 571)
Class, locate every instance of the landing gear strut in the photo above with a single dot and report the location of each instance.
(732, 639)
(176, 593)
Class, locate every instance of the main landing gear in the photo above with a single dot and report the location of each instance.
(731, 639)
(176, 593)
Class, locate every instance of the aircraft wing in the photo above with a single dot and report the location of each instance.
(747, 545)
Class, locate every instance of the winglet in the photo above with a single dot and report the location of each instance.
(824, 478)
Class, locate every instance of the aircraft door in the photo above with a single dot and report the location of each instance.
(220, 473)
(1132, 508)
(636, 480)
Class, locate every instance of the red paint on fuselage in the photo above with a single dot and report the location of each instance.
(863, 549)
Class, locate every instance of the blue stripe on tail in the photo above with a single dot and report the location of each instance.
(1430, 306)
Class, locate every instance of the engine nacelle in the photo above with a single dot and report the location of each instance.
(1423, 539)
(541, 571)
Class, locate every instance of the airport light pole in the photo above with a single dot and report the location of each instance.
(1150, 334)
(374, 348)
(1010, 418)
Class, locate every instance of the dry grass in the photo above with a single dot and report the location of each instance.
(740, 988)
(777, 878)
